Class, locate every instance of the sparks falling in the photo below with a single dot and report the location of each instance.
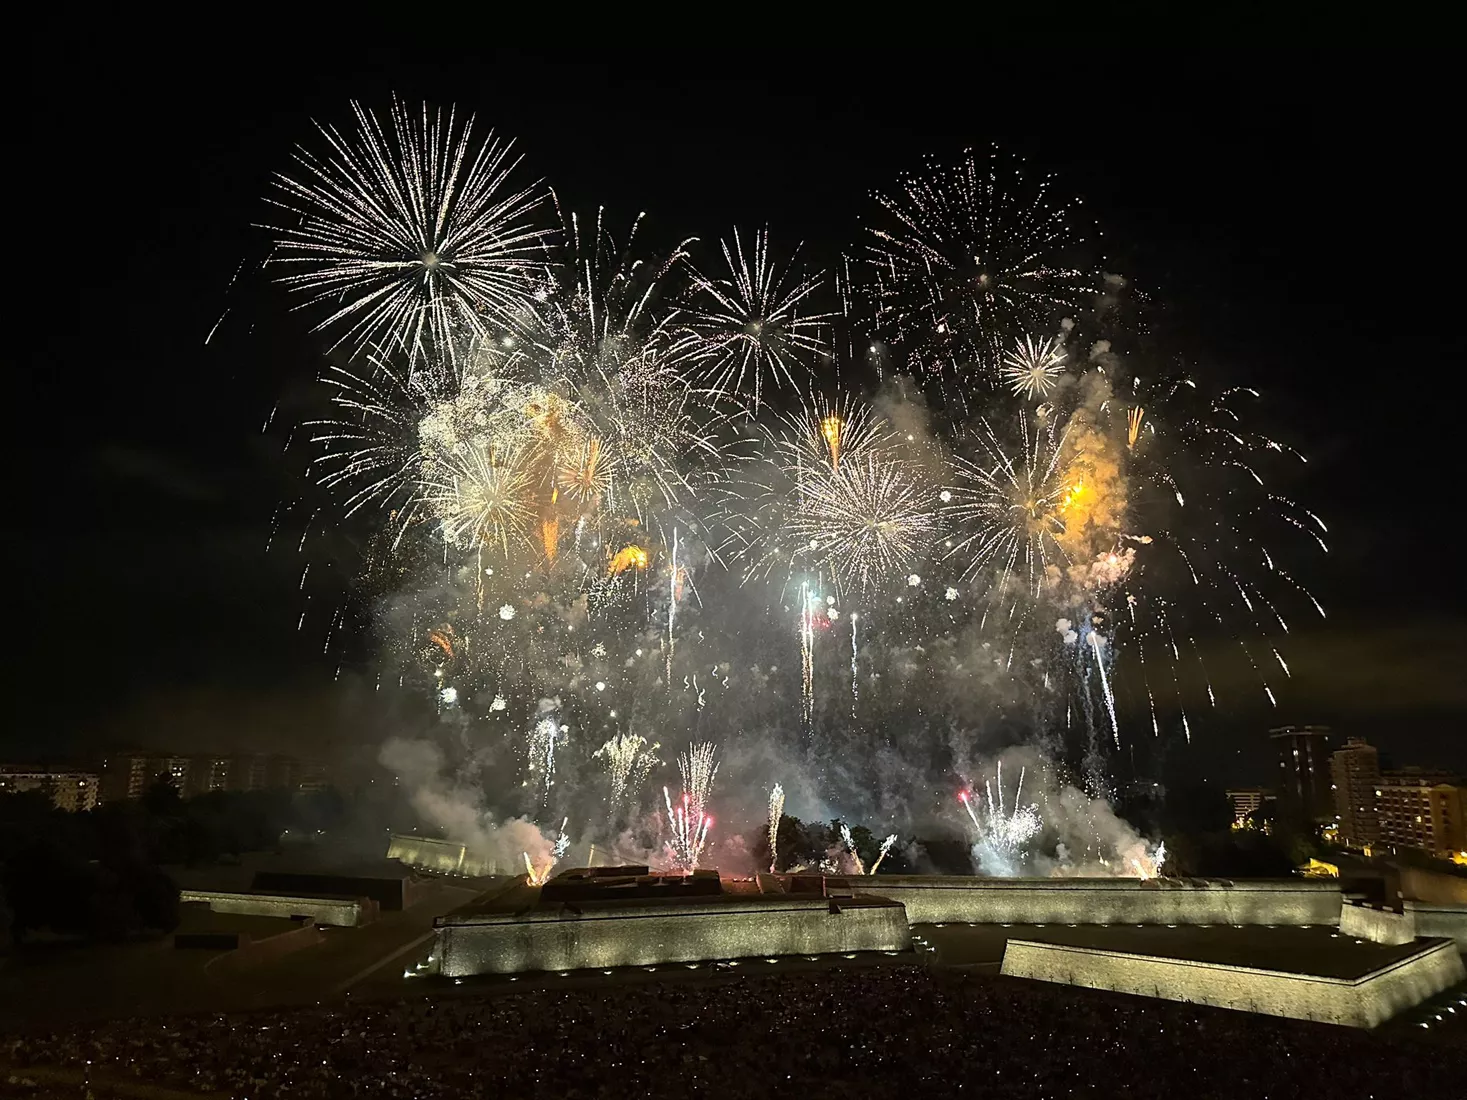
(629, 760)
(688, 821)
(886, 846)
(850, 843)
(776, 812)
(807, 656)
(1003, 833)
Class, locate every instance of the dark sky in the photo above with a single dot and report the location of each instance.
(1297, 215)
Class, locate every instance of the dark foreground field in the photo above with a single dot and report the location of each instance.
(892, 1031)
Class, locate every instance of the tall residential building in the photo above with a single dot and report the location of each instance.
(68, 790)
(1304, 770)
(128, 775)
(1355, 770)
(1245, 800)
(1421, 809)
(125, 776)
(1449, 819)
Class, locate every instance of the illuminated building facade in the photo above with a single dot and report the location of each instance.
(1421, 809)
(1304, 782)
(1355, 771)
(1245, 800)
(68, 790)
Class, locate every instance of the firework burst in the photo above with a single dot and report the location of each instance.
(625, 365)
(1007, 505)
(755, 325)
(1003, 833)
(964, 256)
(482, 496)
(1033, 367)
(411, 225)
(864, 523)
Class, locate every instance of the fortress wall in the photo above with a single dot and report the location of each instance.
(646, 936)
(1417, 919)
(442, 856)
(1376, 925)
(1446, 921)
(340, 912)
(933, 899)
(1360, 1002)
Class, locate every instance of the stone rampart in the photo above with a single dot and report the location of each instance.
(339, 912)
(611, 934)
(1359, 1002)
(930, 899)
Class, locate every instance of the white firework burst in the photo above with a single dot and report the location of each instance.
(481, 495)
(864, 522)
(1033, 367)
(751, 326)
(965, 256)
(410, 226)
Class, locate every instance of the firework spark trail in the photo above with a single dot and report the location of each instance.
(671, 608)
(410, 226)
(855, 688)
(885, 847)
(689, 820)
(689, 832)
(850, 843)
(629, 760)
(543, 739)
(776, 811)
(1096, 641)
(807, 659)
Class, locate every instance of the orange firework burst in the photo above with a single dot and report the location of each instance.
(443, 639)
(628, 557)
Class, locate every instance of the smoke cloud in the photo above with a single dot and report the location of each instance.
(451, 802)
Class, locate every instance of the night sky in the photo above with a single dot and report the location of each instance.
(1297, 218)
